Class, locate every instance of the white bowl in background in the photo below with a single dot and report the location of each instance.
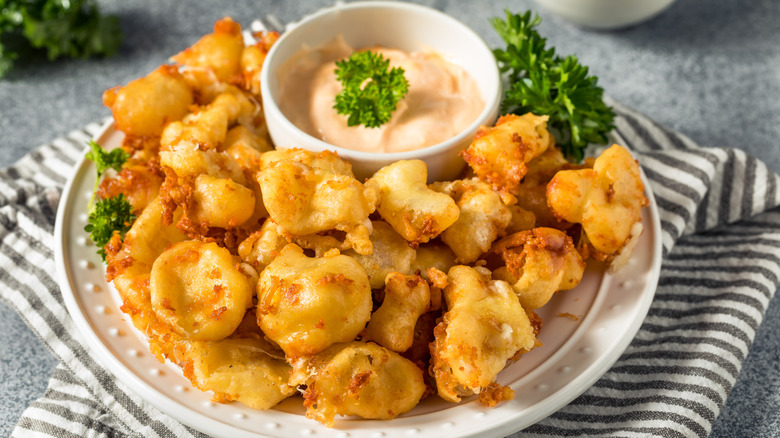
(403, 26)
(606, 14)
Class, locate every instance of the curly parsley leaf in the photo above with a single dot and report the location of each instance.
(105, 160)
(371, 89)
(545, 84)
(58, 28)
(109, 216)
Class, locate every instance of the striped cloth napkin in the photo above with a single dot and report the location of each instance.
(721, 234)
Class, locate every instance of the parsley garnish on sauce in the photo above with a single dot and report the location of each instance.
(371, 89)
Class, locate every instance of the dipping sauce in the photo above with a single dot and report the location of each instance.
(442, 100)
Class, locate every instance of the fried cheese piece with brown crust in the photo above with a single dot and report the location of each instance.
(357, 378)
(144, 106)
(532, 192)
(252, 60)
(392, 325)
(538, 263)
(415, 211)
(307, 192)
(246, 147)
(484, 326)
(130, 266)
(198, 143)
(198, 291)
(206, 158)
(239, 369)
(607, 200)
(194, 145)
(306, 304)
(206, 127)
(219, 52)
(263, 245)
(433, 255)
(522, 220)
(499, 155)
(483, 218)
(221, 202)
(391, 254)
(208, 182)
(139, 182)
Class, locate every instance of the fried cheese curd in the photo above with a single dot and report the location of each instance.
(164, 89)
(391, 255)
(532, 191)
(406, 298)
(358, 378)
(538, 263)
(483, 217)
(484, 326)
(499, 155)
(607, 200)
(415, 211)
(265, 273)
(306, 304)
(198, 291)
(308, 193)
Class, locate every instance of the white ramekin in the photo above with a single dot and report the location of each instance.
(403, 26)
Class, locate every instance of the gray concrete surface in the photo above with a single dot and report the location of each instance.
(710, 69)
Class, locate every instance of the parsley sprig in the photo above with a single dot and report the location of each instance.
(110, 215)
(105, 160)
(371, 89)
(543, 83)
(73, 28)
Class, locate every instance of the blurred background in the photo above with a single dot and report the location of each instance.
(709, 69)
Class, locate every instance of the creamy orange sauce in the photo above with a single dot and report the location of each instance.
(442, 100)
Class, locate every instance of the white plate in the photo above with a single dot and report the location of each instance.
(584, 332)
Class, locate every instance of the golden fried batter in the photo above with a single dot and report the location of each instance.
(357, 378)
(221, 202)
(239, 369)
(433, 255)
(522, 220)
(416, 212)
(391, 254)
(252, 60)
(484, 326)
(140, 183)
(483, 218)
(538, 263)
(532, 192)
(246, 147)
(306, 304)
(392, 325)
(219, 52)
(607, 200)
(499, 155)
(130, 268)
(307, 193)
(197, 290)
(262, 246)
(163, 89)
